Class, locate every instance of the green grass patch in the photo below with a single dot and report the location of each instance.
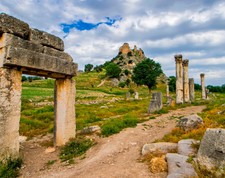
(116, 125)
(10, 168)
(74, 148)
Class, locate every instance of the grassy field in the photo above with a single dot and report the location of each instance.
(105, 106)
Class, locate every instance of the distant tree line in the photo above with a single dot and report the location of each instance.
(30, 78)
(172, 86)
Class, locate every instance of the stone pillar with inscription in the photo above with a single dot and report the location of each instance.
(179, 79)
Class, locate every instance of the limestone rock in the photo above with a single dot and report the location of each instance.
(46, 39)
(22, 139)
(156, 102)
(136, 97)
(9, 24)
(211, 153)
(115, 81)
(50, 150)
(163, 147)
(178, 166)
(125, 49)
(91, 129)
(185, 147)
(190, 122)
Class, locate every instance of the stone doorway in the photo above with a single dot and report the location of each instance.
(30, 51)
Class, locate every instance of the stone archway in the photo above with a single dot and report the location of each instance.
(30, 51)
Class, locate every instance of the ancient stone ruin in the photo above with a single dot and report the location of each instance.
(30, 51)
(156, 102)
(202, 76)
(184, 85)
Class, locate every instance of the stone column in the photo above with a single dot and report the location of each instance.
(186, 81)
(10, 105)
(203, 85)
(179, 79)
(192, 89)
(64, 111)
(167, 89)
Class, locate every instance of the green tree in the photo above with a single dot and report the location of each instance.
(112, 70)
(146, 73)
(172, 83)
(24, 78)
(98, 68)
(88, 67)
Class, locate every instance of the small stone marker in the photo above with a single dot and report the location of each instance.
(136, 95)
(156, 102)
(128, 96)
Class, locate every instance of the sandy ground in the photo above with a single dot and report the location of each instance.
(116, 156)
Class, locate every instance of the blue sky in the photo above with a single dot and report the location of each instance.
(93, 30)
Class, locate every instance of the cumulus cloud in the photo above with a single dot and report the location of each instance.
(161, 28)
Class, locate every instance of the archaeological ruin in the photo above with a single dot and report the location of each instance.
(186, 81)
(24, 50)
(179, 79)
(202, 76)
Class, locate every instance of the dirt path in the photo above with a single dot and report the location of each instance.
(113, 157)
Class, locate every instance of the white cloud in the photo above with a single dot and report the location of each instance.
(161, 28)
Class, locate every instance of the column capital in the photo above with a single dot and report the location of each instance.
(185, 62)
(178, 58)
(202, 75)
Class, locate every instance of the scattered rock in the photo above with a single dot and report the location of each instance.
(188, 123)
(156, 102)
(178, 166)
(115, 81)
(90, 129)
(163, 147)
(158, 164)
(104, 107)
(128, 96)
(136, 95)
(211, 154)
(50, 150)
(22, 139)
(185, 147)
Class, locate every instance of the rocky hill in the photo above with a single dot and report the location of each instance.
(128, 58)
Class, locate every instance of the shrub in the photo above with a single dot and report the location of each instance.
(122, 84)
(10, 168)
(113, 70)
(116, 125)
(74, 148)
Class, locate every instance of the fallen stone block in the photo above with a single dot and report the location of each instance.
(185, 147)
(9, 24)
(188, 123)
(46, 39)
(211, 154)
(91, 129)
(163, 147)
(178, 166)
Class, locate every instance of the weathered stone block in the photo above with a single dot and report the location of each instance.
(58, 54)
(156, 102)
(11, 56)
(211, 154)
(188, 123)
(178, 166)
(46, 39)
(185, 147)
(9, 24)
(10, 104)
(11, 40)
(163, 147)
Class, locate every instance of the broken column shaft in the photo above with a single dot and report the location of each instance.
(203, 85)
(192, 89)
